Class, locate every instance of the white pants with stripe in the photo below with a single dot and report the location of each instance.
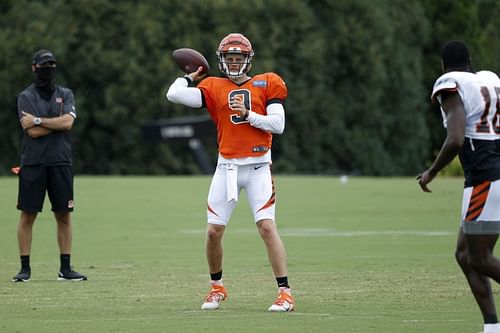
(227, 182)
(481, 208)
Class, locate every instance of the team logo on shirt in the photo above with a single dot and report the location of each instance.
(58, 100)
(259, 83)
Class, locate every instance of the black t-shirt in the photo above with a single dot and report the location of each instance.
(54, 148)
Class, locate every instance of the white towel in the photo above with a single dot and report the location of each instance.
(232, 182)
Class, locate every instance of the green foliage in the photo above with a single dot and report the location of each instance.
(359, 75)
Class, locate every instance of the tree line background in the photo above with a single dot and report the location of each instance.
(359, 74)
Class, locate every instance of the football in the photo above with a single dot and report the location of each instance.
(189, 60)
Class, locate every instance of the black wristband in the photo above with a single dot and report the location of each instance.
(188, 79)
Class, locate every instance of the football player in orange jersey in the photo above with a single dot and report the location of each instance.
(247, 111)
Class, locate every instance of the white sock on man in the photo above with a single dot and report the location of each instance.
(491, 328)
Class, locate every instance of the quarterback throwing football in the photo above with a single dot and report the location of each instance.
(247, 111)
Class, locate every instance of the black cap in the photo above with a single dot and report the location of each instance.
(42, 56)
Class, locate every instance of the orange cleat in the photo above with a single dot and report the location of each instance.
(284, 302)
(214, 297)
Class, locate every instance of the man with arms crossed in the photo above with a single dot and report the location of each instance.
(246, 111)
(470, 105)
(46, 112)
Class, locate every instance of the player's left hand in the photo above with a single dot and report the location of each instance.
(238, 105)
(27, 120)
(425, 178)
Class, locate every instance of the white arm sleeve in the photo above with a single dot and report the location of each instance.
(273, 122)
(180, 93)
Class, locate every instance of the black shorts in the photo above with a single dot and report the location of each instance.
(56, 180)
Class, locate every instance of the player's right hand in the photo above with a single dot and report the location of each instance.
(425, 178)
(197, 76)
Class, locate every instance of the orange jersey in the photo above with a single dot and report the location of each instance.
(235, 136)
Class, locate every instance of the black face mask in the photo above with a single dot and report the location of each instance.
(45, 73)
(44, 82)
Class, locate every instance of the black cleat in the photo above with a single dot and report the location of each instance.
(22, 276)
(71, 275)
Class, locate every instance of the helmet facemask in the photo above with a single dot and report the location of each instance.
(234, 44)
(228, 67)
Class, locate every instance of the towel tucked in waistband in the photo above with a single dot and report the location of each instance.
(232, 182)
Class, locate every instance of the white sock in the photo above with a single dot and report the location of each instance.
(491, 328)
(216, 282)
(284, 290)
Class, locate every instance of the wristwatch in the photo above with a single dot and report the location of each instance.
(37, 120)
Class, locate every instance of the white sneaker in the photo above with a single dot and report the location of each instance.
(491, 328)
(284, 302)
(214, 297)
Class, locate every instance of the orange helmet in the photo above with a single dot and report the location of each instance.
(239, 44)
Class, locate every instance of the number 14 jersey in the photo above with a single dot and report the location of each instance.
(480, 154)
(480, 94)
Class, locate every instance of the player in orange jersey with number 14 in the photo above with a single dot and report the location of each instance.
(247, 111)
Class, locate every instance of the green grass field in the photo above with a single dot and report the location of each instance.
(371, 255)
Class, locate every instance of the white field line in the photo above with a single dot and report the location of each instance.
(434, 320)
(227, 314)
(174, 315)
(320, 232)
